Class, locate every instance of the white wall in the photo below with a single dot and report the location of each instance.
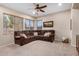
(75, 25)
(61, 23)
(8, 38)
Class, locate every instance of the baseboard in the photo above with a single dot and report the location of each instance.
(6, 45)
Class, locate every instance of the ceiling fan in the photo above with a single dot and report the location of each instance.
(40, 8)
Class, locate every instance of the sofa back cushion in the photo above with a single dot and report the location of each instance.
(33, 32)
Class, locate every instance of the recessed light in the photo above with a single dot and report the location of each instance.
(59, 4)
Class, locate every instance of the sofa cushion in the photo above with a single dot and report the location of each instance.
(23, 35)
(47, 34)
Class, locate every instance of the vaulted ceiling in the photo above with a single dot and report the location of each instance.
(28, 8)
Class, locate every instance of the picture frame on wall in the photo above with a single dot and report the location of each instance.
(48, 24)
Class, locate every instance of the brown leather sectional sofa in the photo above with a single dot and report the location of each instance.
(30, 36)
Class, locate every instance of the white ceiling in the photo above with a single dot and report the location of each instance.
(28, 8)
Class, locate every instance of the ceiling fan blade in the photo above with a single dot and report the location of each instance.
(43, 6)
(37, 6)
(42, 10)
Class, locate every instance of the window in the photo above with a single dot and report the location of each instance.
(18, 23)
(39, 24)
(29, 24)
(8, 23)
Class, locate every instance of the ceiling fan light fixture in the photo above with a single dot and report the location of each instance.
(34, 12)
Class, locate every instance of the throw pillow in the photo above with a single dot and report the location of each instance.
(47, 34)
(35, 34)
(23, 35)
